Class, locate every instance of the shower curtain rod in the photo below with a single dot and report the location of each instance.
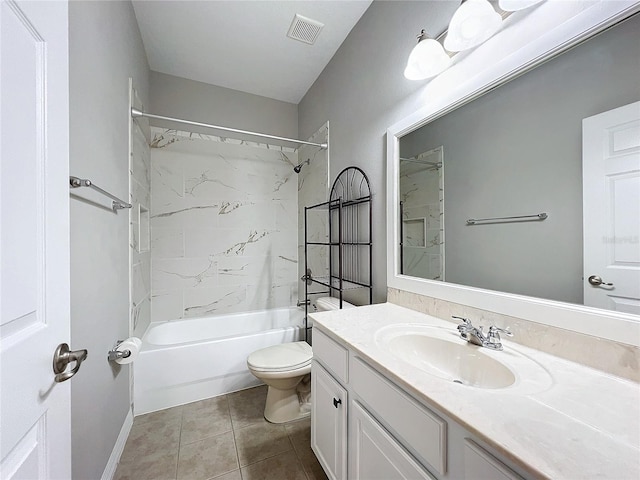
(135, 113)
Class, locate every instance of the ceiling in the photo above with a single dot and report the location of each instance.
(243, 45)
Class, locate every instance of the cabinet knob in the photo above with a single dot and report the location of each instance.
(336, 402)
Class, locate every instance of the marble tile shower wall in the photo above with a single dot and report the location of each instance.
(223, 225)
(423, 229)
(140, 198)
(313, 188)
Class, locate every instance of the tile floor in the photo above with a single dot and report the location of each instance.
(225, 438)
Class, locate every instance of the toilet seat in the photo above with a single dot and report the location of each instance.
(281, 358)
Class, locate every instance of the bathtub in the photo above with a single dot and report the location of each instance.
(184, 361)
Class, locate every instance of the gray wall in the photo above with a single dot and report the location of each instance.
(190, 100)
(518, 151)
(362, 92)
(105, 49)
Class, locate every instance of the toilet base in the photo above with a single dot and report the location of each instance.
(284, 406)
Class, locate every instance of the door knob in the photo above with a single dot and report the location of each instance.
(597, 281)
(63, 357)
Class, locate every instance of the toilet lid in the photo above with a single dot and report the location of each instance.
(286, 356)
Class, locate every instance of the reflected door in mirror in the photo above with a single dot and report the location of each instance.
(611, 178)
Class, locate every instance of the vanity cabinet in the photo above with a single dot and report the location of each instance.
(375, 454)
(481, 465)
(365, 427)
(329, 422)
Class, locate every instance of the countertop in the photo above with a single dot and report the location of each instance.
(559, 420)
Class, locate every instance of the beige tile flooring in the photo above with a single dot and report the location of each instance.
(225, 438)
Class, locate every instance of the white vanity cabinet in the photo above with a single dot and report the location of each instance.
(375, 454)
(329, 423)
(481, 465)
(329, 405)
(365, 427)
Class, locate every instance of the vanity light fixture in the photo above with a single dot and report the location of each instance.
(427, 59)
(474, 22)
(515, 5)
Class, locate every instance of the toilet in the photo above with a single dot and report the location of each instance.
(282, 367)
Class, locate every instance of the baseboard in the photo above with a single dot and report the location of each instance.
(118, 448)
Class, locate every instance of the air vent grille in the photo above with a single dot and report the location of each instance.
(304, 29)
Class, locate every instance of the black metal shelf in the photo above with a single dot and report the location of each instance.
(336, 244)
(334, 283)
(350, 224)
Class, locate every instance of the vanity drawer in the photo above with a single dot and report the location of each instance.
(331, 354)
(421, 431)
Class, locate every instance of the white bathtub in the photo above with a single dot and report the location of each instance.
(184, 361)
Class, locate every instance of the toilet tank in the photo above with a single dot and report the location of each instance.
(331, 303)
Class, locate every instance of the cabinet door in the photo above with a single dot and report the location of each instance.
(329, 423)
(481, 465)
(375, 455)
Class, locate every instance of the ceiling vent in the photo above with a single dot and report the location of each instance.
(304, 29)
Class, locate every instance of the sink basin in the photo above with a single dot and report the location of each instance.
(442, 353)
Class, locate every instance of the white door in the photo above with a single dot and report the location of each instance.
(611, 204)
(34, 239)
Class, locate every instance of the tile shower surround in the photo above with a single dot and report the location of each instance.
(313, 188)
(226, 438)
(140, 199)
(223, 225)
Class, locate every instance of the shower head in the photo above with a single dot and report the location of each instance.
(297, 168)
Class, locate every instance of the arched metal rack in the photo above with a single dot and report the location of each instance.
(349, 240)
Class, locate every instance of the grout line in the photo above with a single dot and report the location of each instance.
(302, 464)
(233, 432)
(208, 437)
(179, 441)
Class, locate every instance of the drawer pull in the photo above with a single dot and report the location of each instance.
(336, 402)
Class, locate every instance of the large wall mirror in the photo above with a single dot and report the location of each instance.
(513, 199)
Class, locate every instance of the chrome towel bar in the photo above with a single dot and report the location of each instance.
(539, 216)
(75, 182)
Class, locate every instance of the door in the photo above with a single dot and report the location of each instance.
(611, 209)
(34, 239)
(329, 423)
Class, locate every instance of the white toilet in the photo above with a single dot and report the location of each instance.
(282, 367)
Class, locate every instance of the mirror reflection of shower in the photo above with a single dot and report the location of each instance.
(423, 165)
(422, 209)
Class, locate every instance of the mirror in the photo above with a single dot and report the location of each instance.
(422, 213)
(463, 174)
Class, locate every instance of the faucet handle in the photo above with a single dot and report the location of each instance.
(465, 321)
(496, 331)
(493, 338)
(464, 327)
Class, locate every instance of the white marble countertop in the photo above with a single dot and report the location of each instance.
(559, 420)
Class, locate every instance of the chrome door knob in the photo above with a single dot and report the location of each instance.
(62, 357)
(596, 281)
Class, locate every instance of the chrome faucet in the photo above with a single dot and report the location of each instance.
(476, 336)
